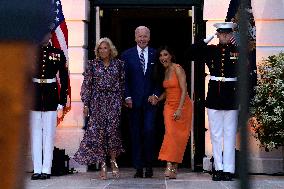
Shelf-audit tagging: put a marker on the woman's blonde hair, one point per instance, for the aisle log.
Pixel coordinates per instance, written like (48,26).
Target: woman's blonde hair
(113,51)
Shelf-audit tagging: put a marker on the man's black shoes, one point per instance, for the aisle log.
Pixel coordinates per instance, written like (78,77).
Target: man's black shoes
(38,176)
(220,175)
(217,175)
(35,176)
(45,176)
(227,176)
(139,173)
(149,172)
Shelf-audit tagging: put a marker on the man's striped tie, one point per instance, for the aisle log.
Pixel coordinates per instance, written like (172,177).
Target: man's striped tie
(142,60)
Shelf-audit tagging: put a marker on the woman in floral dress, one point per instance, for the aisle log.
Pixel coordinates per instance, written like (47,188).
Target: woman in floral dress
(102,94)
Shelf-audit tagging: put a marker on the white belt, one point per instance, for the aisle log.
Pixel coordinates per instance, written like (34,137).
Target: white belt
(223,79)
(44,80)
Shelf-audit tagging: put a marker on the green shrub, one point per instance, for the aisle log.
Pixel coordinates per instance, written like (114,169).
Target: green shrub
(268,103)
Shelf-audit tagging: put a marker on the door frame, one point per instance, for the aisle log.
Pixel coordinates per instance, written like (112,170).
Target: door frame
(147,3)
(197,72)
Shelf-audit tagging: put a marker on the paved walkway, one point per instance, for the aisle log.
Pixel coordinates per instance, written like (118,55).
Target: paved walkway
(185,180)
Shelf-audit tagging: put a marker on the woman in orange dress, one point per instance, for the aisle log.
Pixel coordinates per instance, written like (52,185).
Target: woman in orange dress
(177,112)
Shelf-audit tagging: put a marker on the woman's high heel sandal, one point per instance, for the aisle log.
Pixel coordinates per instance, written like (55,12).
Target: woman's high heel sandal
(114,167)
(168,169)
(173,172)
(103,173)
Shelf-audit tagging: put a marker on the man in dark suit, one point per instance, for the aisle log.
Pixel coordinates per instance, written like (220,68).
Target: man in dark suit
(141,97)
(46,103)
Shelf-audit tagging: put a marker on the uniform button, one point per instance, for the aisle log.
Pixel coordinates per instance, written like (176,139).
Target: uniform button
(222,74)
(42,75)
(223,59)
(43,65)
(43,70)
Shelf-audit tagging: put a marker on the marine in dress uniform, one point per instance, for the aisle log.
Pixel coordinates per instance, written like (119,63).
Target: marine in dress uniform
(47,100)
(221,101)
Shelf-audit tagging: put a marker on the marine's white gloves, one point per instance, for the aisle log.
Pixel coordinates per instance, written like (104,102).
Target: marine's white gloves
(209,38)
(59,107)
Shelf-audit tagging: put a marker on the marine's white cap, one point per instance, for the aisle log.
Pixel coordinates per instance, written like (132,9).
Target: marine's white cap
(225,27)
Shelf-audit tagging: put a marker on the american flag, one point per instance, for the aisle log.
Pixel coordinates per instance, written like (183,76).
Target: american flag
(60,32)
(233,40)
(59,40)
(233,15)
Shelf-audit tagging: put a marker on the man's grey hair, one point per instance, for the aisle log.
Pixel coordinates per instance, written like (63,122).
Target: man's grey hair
(142,28)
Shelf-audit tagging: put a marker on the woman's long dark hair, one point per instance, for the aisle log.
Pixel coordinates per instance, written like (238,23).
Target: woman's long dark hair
(159,70)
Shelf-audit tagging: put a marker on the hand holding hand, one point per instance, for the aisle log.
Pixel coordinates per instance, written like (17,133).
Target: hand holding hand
(153,100)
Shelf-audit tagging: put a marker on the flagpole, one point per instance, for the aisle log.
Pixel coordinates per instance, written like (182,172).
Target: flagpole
(243,95)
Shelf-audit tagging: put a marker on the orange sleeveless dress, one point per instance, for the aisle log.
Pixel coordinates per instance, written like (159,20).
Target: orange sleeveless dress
(176,132)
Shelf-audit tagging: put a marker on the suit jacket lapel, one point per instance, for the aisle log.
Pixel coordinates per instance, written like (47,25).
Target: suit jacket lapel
(150,59)
(136,55)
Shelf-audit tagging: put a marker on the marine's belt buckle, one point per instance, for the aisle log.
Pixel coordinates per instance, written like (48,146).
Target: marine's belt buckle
(222,79)
(42,80)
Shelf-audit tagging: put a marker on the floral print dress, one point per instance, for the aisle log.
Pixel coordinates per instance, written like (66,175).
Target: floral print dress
(102,91)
